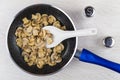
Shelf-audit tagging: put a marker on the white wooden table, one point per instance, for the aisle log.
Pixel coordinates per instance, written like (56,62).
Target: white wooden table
(106,20)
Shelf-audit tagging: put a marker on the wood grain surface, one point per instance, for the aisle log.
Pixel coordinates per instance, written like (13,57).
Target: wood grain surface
(106,20)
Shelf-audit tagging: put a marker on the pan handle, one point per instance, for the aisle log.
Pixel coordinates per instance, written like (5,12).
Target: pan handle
(87,56)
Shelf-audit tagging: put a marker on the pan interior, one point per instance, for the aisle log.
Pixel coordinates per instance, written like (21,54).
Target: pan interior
(15,51)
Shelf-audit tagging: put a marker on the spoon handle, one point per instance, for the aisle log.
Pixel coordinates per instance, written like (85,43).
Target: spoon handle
(87,56)
(83,32)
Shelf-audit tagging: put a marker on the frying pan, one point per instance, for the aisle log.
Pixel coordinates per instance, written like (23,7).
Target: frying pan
(70,44)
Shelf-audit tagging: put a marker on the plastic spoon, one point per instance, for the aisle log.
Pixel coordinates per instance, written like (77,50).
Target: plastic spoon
(60,35)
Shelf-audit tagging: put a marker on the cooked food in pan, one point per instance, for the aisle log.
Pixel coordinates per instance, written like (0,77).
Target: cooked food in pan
(32,39)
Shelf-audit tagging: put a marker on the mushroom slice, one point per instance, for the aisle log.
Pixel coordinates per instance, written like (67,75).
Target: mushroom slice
(19,42)
(25,41)
(18,31)
(40,63)
(41,53)
(58,60)
(51,19)
(57,24)
(25,20)
(30,63)
(35,32)
(29,29)
(49,41)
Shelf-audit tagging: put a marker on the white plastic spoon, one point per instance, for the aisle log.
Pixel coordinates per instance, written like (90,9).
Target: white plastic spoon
(60,35)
